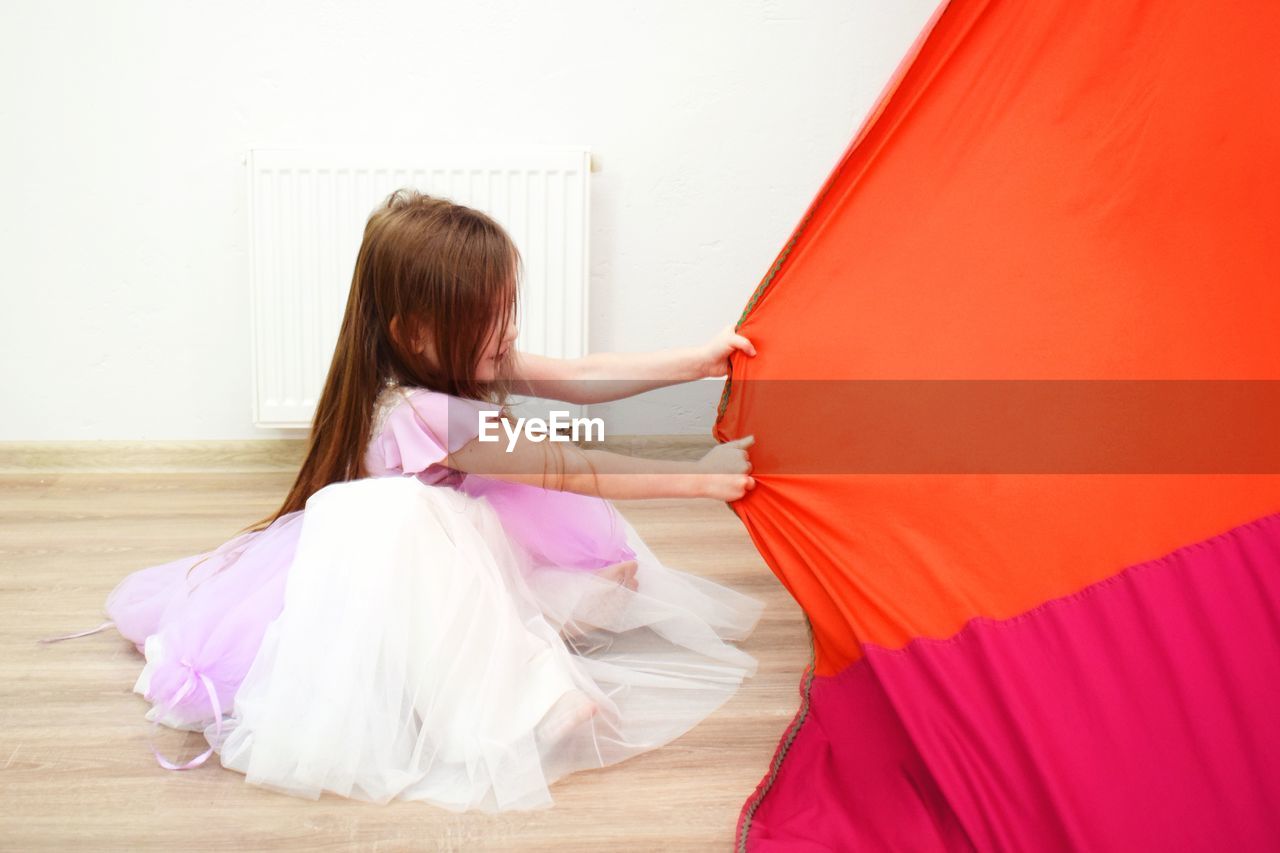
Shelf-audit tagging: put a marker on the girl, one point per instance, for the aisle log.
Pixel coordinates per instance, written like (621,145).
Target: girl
(429,616)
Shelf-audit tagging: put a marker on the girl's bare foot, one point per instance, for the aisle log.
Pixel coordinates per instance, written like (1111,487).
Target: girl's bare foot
(624,573)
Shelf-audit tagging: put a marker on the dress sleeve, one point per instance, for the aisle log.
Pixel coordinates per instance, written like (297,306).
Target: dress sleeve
(423,429)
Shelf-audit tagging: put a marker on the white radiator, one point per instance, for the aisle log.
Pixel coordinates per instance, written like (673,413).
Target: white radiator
(307,214)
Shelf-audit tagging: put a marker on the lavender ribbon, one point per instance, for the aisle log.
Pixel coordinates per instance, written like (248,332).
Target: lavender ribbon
(187,686)
(194,678)
(101,627)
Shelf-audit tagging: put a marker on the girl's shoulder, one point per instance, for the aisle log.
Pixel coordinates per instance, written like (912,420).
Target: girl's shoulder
(391,398)
(414,428)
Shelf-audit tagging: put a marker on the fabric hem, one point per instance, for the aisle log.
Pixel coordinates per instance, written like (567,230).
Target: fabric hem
(780,753)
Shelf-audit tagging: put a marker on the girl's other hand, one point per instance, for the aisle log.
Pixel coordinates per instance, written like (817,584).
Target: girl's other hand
(712,358)
(725,470)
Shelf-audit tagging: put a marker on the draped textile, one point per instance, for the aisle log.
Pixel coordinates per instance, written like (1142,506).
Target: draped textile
(1015,421)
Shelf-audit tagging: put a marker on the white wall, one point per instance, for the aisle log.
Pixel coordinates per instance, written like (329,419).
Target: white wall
(124,299)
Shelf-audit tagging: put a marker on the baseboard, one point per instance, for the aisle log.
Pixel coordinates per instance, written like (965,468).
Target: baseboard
(249,456)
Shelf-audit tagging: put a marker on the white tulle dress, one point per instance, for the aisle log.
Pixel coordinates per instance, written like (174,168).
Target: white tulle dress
(422,634)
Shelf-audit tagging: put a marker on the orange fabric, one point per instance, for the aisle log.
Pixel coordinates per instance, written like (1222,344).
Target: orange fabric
(1039,194)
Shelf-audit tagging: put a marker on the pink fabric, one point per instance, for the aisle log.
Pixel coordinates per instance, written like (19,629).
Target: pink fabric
(1136,714)
(209,623)
(206,628)
(562,529)
(415,435)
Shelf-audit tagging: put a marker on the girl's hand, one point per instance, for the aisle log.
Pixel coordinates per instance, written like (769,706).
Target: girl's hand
(725,470)
(712,358)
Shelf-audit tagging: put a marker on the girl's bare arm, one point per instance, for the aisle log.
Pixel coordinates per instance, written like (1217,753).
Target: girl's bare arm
(722,474)
(602,377)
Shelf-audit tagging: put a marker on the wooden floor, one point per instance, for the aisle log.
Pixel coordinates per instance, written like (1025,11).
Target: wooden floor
(76,771)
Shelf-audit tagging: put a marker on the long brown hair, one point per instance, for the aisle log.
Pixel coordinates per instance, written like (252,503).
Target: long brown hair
(445,270)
